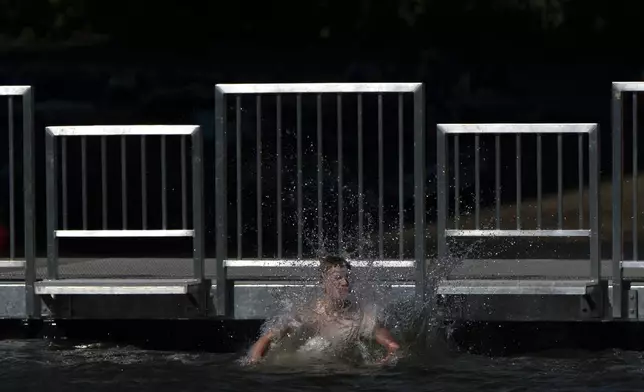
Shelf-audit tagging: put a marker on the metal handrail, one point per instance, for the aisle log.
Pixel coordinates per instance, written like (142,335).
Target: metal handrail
(518,130)
(620,287)
(29,205)
(54,232)
(339,89)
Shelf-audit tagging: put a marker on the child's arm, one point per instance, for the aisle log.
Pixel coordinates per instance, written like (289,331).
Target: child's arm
(384,338)
(260,347)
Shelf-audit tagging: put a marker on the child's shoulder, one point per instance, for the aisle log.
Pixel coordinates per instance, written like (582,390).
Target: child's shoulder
(318,306)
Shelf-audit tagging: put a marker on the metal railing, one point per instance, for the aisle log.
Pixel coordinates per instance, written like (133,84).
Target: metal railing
(519,131)
(343,92)
(28,191)
(620,287)
(144,132)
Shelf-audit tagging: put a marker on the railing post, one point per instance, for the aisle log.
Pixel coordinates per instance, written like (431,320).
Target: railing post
(442,193)
(52,204)
(198,205)
(29,189)
(222,302)
(594,202)
(618,167)
(420,177)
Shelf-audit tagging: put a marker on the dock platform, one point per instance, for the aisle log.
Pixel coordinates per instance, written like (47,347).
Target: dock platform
(283,199)
(474,290)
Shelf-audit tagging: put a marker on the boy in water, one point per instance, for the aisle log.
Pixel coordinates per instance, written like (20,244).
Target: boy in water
(332,322)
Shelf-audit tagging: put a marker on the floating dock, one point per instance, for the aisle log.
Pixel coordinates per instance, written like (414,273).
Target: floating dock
(535,290)
(300,185)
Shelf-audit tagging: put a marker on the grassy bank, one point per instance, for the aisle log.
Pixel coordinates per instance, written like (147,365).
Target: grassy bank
(571,214)
(549,216)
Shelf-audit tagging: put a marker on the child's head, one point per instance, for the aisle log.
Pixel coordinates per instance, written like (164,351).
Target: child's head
(335,276)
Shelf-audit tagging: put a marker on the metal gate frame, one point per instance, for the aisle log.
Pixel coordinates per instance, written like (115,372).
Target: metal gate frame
(223,284)
(32,302)
(520,129)
(53,231)
(620,286)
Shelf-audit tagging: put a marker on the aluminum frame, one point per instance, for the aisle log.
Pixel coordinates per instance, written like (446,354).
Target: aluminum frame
(315,263)
(518,129)
(620,286)
(122,287)
(224,289)
(32,302)
(54,233)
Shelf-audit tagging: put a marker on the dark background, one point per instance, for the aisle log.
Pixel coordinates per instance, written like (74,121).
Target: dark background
(125,62)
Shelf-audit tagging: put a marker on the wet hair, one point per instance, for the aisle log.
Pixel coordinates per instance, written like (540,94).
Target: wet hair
(328,262)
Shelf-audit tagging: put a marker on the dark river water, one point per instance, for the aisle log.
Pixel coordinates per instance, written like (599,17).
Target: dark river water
(38,365)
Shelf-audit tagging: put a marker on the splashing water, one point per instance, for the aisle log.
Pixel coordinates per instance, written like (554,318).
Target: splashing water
(416,325)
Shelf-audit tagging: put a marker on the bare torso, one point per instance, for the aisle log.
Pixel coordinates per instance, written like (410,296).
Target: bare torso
(323,329)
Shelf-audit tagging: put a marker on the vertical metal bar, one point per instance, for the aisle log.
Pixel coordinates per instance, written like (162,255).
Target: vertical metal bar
(52,206)
(539,179)
(238,184)
(560,181)
(258,122)
(278,174)
(340,173)
(184,185)
(320,171)
(222,302)
(64,183)
(29,192)
(144,187)
(164,188)
(580,169)
(360,180)
(420,167)
(84,178)
(441,192)
(497,176)
(636,211)
(12,183)
(123,183)
(477,181)
(300,218)
(104,182)
(594,200)
(401,180)
(616,119)
(197,203)
(457,182)
(518,179)
(381,184)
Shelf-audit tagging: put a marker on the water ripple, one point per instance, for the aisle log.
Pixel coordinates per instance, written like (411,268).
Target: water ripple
(34,365)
